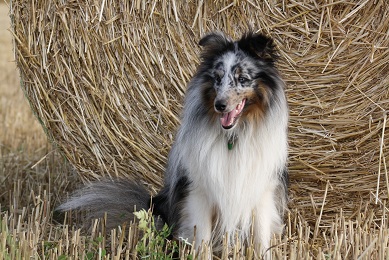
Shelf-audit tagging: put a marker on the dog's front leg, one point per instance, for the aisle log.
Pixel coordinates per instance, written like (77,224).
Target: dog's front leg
(267,222)
(196,225)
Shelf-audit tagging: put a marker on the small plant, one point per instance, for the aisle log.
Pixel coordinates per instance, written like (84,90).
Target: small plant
(96,247)
(154,243)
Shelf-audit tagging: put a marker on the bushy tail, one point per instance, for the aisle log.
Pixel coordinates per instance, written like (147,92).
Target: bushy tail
(119,199)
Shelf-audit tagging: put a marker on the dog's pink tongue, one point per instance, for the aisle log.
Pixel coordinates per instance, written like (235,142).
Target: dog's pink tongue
(228,119)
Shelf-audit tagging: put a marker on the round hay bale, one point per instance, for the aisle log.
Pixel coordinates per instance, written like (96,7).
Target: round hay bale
(106,80)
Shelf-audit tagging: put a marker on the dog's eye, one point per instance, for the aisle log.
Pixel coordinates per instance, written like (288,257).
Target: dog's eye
(217,78)
(242,79)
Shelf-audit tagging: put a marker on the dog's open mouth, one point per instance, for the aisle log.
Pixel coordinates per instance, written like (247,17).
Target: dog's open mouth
(228,120)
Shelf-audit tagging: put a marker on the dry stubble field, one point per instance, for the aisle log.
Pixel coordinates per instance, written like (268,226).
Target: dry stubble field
(30,168)
(27,159)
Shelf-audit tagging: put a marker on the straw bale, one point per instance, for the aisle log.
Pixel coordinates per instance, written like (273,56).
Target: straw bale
(106,80)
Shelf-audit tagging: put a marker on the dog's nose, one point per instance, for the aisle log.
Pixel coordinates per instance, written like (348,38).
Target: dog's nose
(220,105)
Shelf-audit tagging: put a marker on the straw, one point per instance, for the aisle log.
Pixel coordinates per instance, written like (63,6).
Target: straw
(107,78)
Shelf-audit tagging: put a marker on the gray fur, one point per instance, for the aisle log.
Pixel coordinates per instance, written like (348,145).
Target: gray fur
(119,199)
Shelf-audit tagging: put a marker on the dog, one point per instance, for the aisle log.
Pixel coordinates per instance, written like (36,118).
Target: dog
(227,169)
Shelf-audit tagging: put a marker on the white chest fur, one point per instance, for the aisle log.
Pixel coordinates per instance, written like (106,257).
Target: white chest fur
(233,182)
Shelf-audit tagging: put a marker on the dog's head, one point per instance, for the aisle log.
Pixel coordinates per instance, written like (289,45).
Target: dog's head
(240,76)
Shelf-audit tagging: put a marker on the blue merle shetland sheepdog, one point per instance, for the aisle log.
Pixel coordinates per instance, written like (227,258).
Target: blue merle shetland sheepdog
(227,170)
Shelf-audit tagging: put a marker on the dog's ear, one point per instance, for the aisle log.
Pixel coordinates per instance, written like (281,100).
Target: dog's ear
(258,46)
(213,40)
(214,44)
